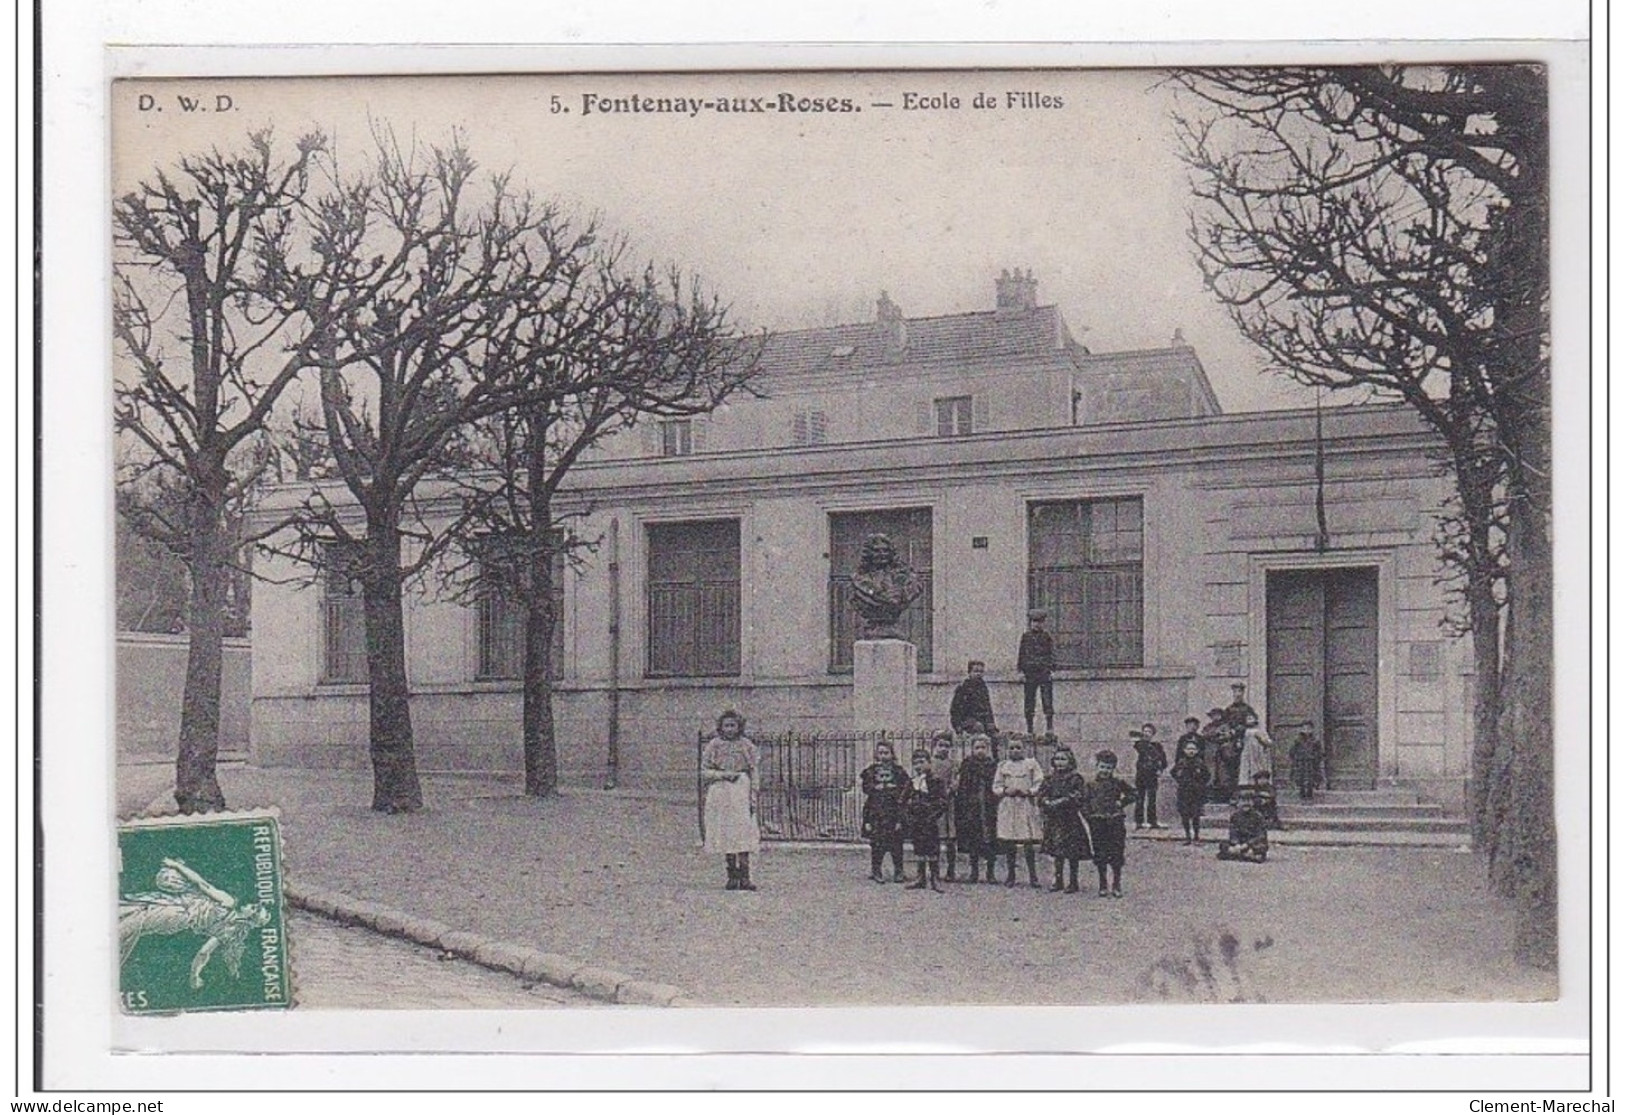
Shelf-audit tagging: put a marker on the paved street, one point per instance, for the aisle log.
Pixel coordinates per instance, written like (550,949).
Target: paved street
(350,968)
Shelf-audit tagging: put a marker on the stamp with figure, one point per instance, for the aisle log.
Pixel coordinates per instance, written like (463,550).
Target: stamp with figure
(200,915)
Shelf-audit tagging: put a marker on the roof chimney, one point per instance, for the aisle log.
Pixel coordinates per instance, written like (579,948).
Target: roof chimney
(893,327)
(1016,293)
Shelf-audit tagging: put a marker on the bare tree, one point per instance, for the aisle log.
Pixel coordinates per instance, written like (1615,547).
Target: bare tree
(1386,228)
(206,347)
(445,275)
(611,348)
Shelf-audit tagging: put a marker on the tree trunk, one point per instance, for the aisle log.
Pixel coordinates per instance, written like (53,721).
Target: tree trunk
(197,788)
(1484,796)
(1529,831)
(394,766)
(541,745)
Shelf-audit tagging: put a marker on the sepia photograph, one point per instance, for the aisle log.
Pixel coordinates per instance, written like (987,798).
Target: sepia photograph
(836,538)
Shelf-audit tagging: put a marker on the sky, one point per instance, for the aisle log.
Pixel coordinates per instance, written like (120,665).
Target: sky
(799,217)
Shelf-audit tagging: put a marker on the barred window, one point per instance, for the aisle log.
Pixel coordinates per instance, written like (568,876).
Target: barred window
(1086,569)
(694,599)
(910,532)
(500,617)
(344,617)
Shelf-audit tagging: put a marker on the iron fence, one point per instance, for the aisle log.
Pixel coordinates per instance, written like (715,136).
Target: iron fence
(807,783)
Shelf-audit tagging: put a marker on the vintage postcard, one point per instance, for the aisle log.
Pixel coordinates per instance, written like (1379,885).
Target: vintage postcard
(841,538)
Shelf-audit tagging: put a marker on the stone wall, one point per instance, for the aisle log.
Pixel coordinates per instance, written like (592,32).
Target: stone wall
(150,678)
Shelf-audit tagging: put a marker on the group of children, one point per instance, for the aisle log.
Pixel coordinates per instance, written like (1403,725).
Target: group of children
(981,806)
(984,805)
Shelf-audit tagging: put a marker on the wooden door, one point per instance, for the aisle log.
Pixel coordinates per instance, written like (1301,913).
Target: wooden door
(1349,725)
(1321,661)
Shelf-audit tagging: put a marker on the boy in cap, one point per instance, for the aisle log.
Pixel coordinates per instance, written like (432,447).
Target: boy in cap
(1150,760)
(1104,800)
(1239,710)
(1035,661)
(1191,776)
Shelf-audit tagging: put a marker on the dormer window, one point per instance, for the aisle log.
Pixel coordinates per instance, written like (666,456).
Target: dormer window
(809,427)
(676,437)
(953,416)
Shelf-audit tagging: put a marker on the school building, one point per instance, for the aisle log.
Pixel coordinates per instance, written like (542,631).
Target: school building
(1177,549)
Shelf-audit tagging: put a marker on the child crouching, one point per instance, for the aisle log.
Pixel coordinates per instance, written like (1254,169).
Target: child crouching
(1249,839)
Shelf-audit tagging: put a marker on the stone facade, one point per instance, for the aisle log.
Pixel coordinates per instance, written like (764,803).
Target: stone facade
(1226,501)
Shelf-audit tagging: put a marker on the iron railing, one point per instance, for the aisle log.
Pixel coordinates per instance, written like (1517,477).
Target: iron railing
(807,783)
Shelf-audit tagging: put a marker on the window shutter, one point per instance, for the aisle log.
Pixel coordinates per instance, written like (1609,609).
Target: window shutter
(651,437)
(925,418)
(798,428)
(979,417)
(697,430)
(818,427)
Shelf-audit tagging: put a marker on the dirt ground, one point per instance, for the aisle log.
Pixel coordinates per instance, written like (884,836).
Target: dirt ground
(622,883)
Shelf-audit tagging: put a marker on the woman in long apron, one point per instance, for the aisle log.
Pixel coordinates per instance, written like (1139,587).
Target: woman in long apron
(728,769)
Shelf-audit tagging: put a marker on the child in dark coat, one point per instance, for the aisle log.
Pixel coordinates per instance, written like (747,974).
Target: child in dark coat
(1150,760)
(1191,777)
(1305,760)
(885,786)
(1104,800)
(1193,734)
(1060,797)
(975,808)
(1249,839)
(971,709)
(923,809)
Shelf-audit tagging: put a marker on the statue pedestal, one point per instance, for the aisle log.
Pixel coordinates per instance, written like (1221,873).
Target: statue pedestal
(885,688)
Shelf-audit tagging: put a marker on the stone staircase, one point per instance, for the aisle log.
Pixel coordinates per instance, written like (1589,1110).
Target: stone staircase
(1391,816)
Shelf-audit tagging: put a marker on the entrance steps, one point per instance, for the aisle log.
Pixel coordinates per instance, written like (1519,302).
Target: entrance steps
(1391,815)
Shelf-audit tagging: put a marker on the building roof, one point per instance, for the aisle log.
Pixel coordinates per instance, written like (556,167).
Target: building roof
(969,337)
(1177,362)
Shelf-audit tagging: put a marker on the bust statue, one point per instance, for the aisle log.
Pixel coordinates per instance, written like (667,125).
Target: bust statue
(883,588)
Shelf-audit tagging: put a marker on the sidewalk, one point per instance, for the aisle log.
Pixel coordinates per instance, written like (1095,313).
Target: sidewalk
(621,883)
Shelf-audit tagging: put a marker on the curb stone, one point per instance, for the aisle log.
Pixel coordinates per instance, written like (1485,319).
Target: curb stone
(604,984)
(505,955)
(461,943)
(600,983)
(642,993)
(392,922)
(550,967)
(425,931)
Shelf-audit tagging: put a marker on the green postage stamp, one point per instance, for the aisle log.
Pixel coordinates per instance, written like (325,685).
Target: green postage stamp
(200,921)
